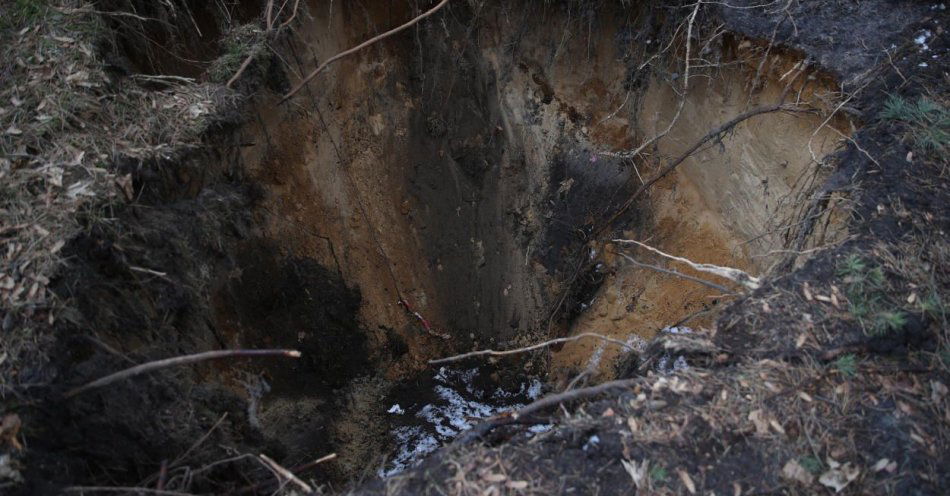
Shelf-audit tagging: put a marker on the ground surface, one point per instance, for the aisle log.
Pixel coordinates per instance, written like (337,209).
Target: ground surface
(468,168)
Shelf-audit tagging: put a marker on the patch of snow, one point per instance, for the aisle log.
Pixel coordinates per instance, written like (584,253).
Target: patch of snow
(593,441)
(539,428)
(921,40)
(414,443)
(534,389)
(457,406)
(677,330)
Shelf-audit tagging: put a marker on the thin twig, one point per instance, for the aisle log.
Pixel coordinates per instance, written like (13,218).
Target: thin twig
(179,360)
(677,274)
(286,473)
(359,47)
(528,348)
(298,469)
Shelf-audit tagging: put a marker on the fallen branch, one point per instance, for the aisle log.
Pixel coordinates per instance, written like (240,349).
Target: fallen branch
(733,274)
(677,274)
(359,47)
(528,348)
(179,360)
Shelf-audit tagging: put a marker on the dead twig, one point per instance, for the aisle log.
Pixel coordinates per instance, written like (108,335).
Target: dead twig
(179,360)
(286,473)
(361,46)
(528,348)
(298,469)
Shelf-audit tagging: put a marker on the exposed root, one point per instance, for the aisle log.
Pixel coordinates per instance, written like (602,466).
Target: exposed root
(733,274)
(528,348)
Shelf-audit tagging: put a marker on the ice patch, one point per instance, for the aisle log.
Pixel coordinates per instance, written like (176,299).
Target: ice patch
(396,409)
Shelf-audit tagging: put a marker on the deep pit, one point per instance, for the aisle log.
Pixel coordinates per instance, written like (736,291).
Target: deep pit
(457,187)
(466,169)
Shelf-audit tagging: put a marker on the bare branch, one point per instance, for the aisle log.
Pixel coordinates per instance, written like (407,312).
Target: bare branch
(528,348)
(179,360)
(361,46)
(730,273)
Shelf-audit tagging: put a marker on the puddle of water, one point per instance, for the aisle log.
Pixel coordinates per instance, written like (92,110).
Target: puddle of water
(443,407)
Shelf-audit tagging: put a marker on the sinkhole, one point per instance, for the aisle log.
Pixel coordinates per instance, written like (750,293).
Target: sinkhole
(459,186)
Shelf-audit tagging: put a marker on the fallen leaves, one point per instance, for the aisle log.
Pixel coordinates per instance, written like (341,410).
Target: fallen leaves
(796,472)
(839,476)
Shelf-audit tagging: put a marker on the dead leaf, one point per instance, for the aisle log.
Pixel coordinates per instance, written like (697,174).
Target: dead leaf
(9,429)
(637,471)
(632,424)
(839,476)
(495,477)
(687,481)
(796,472)
(937,391)
(761,424)
(125,185)
(516,484)
(777,426)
